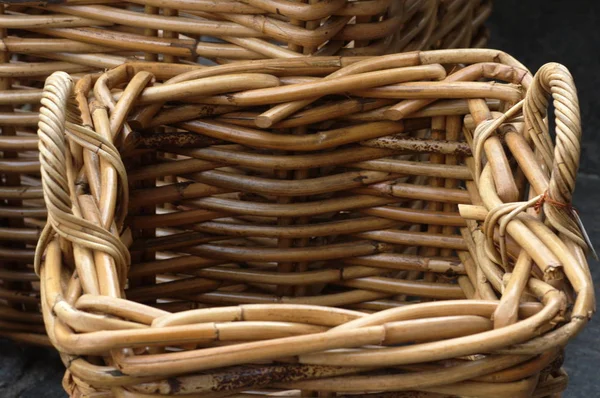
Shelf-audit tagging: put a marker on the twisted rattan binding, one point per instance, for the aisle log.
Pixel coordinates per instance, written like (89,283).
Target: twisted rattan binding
(321,255)
(86,36)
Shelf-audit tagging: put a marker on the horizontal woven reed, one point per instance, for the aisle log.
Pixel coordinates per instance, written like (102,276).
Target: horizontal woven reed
(387,226)
(80,37)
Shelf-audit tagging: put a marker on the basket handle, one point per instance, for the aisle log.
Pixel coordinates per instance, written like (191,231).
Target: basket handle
(64,215)
(52,141)
(52,148)
(554,81)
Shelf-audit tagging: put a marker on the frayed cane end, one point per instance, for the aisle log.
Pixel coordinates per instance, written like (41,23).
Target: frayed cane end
(585,235)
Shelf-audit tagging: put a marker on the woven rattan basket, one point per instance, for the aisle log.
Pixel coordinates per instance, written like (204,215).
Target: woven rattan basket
(402,227)
(80,37)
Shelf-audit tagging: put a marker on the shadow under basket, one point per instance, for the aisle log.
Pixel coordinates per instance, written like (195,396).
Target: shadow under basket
(86,36)
(394,226)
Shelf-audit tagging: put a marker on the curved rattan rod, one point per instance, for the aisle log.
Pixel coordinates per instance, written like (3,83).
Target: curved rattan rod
(100,14)
(20,21)
(464,371)
(365,110)
(189,218)
(23,165)
(209,245)
(344,299)
(17,255)
(362,336)
(28,96)
(386,191)
(18,143)
(17,212)
(382,260)
(322,140)
(297,11)
(363,278)
(39,69)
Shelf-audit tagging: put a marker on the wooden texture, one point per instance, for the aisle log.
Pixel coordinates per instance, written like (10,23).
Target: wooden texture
(81,37)
(402,228)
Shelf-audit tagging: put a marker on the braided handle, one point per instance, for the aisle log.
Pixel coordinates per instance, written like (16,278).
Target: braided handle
(56,166)
(53,154)
(52,142)
(555,80)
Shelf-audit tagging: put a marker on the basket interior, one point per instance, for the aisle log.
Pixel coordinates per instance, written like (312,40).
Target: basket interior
(234,221)
(335,205)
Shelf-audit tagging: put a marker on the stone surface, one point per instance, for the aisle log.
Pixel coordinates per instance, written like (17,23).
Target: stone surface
(534,31)
(29,372)
(583,354)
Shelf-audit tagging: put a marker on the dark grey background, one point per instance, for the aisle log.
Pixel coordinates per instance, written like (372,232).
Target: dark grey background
(535,32)
(568,32)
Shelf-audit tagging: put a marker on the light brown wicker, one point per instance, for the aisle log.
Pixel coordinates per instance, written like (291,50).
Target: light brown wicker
(82,36)
(402,228)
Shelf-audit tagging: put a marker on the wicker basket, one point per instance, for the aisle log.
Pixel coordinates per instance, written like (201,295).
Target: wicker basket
(403,225)
(80,37)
